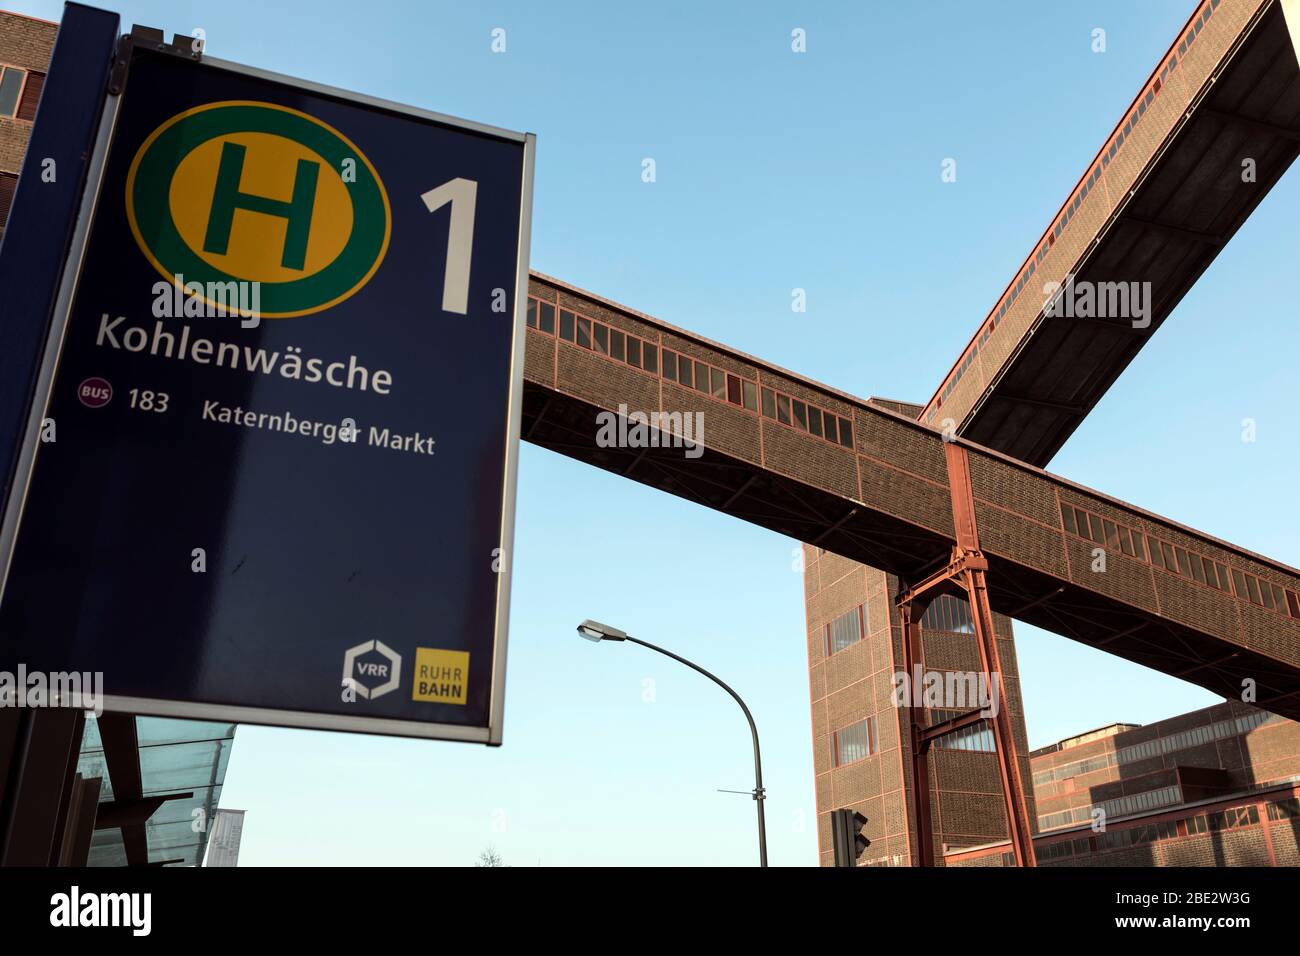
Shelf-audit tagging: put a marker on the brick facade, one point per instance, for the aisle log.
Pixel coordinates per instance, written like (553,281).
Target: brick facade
(1245,830)
(857,683)
(27,43)
(1214,787)
(1222,749)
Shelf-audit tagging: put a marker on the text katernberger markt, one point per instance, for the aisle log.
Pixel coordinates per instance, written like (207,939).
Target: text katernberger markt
(326,432)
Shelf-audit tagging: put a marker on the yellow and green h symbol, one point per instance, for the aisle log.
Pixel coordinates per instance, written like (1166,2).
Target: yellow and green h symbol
(227,197)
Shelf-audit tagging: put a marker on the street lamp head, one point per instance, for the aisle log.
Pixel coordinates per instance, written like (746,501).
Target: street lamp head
(595,631)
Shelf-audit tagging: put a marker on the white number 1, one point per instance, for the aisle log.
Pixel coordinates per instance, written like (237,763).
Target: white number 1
(461,193)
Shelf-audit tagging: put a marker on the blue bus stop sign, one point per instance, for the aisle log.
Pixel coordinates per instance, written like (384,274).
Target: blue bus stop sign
(269,470)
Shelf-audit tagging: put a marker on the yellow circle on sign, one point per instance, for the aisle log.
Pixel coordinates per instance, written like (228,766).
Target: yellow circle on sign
(258,240)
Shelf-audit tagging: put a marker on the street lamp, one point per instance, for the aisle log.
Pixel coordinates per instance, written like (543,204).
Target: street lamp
(595,631)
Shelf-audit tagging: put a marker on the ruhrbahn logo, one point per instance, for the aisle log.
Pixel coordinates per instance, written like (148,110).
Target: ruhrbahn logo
(242,191)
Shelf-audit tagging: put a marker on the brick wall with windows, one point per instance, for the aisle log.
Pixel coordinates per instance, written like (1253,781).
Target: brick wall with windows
(847,612)
(1244,746)
(854,650)
(1239,830)
(25,48)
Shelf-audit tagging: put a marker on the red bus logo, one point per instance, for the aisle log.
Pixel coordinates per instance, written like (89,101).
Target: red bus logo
(95,392)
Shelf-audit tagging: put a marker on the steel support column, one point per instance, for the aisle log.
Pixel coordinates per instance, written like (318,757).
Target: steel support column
(923,843)
(1013,787)
(40,785)
(965,572)
(80,827)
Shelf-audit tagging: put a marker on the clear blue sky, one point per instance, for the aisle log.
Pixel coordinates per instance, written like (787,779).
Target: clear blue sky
(775,171)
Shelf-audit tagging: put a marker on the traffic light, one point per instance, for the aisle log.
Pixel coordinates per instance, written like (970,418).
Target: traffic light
(846,834)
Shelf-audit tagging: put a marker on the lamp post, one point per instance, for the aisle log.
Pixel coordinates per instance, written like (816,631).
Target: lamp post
(595,631)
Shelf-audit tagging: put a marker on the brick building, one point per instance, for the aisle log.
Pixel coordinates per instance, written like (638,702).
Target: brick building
(1216,787)
(854,649)
(1229,766)
(25,47)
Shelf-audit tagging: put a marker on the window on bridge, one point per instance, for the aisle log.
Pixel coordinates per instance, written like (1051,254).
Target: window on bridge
(1179,561)
(710,380)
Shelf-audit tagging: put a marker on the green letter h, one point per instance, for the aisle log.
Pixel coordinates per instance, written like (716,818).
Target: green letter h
(226,198)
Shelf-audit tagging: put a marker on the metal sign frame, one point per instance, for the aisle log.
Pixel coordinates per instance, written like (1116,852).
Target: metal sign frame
(15,503)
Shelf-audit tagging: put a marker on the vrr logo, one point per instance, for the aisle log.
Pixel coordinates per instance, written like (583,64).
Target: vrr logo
(241,191)
(389,674)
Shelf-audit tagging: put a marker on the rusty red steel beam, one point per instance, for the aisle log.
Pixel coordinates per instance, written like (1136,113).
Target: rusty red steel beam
(972,576)
(968,571)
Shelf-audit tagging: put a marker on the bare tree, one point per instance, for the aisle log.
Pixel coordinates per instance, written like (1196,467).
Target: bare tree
(490,857)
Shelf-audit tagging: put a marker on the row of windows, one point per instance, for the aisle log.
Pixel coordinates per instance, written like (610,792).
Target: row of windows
(854,742)
(691,373)
(1049,238)
(724,386)
(20,91)
(945,613)
(1050,821)
(1076,769)
(1110,840)
(1176,560)
(948,613)
(1137,802)
(1229,819)
(1136,836)
(1117,807)
(1062,850)
(977,737)
(818,422)
(1170,743)
(593,335)
(1193,737)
